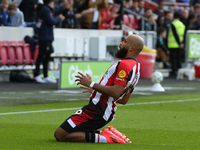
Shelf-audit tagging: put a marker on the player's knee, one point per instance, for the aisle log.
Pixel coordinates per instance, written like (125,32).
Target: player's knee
(59,135)
(56,135)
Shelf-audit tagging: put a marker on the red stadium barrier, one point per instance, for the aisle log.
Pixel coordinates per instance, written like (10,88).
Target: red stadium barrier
(17,53)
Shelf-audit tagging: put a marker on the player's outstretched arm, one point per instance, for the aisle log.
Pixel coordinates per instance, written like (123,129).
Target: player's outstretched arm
(125,99)
(112,91)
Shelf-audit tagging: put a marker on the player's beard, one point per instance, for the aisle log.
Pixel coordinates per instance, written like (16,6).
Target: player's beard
(121,53)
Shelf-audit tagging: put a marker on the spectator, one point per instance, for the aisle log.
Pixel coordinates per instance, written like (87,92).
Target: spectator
(106,16)
(80,5)
(70,18)
(155,1)
(162,51)
(160,21)
(184,16)
(167,21)
(147,13)
(114,13)
(16,16)
(118,20)
(197,11)
(160,11)
(28,7)
(4,14)
(45,24)
(170,1)
(149,25)
(135,8)
(90,21)
(17,2)
(126,4)
(184,1)
(70,15)
(59,8)
(192,23)
(141,6)
(176,43)
(80,8)
(192,3)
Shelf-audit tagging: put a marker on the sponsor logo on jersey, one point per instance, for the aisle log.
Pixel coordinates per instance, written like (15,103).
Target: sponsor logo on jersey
(105,73)
(121,79)
(122,74)
(136,76)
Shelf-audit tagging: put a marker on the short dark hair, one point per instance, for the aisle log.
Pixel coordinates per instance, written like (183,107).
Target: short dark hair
(160,1)
(191,16)
(12,6)
(47,1)
(160,30)
(167,12)
(146,9)
(176,15)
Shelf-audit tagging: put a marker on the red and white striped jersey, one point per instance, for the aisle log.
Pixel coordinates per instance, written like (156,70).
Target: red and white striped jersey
(126,73)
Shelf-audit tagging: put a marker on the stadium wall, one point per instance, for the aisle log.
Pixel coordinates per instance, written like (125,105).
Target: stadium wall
(69,44)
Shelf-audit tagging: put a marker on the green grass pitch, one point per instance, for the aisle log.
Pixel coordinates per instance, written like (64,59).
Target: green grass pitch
(156,122)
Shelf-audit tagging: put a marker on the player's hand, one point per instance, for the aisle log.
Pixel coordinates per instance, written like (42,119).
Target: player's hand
(82,79)
(114,15)
(61,17)
(181,45)
(78,15)
(88,89)
(168,52)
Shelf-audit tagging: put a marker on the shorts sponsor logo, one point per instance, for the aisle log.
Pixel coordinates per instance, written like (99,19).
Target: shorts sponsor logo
(122,74)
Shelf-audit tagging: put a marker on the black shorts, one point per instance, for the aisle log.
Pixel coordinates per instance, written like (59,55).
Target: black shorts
(88,119)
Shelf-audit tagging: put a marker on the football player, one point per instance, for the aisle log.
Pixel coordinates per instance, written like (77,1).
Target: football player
(116,86)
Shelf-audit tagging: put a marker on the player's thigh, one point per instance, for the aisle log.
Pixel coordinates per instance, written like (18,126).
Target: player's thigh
(88,119)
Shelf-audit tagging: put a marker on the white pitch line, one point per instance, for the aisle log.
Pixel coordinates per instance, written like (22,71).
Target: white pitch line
(142,103)
(12,98)
(36,111)
(160,102)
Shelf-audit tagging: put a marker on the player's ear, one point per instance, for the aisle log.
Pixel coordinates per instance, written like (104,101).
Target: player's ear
(132,48)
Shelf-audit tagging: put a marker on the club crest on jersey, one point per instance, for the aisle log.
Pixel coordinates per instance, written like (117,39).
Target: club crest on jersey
(122,74)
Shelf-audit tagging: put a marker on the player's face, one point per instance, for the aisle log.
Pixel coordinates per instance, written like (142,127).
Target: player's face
(122,52)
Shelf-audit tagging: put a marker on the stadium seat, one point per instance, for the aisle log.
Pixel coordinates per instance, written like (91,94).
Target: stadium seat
(11,55)
(35,54)
(132,21)
(9,48)
(3,55)
(19,54)
(22,42)
(0,49)
(27,54)
(18,48)
(125,20)
(6,42)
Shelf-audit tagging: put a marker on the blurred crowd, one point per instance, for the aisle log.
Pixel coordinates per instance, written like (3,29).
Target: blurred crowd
(85,14)
(98,14)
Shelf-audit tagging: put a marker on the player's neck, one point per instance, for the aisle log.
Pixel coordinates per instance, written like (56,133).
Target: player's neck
(130,56)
